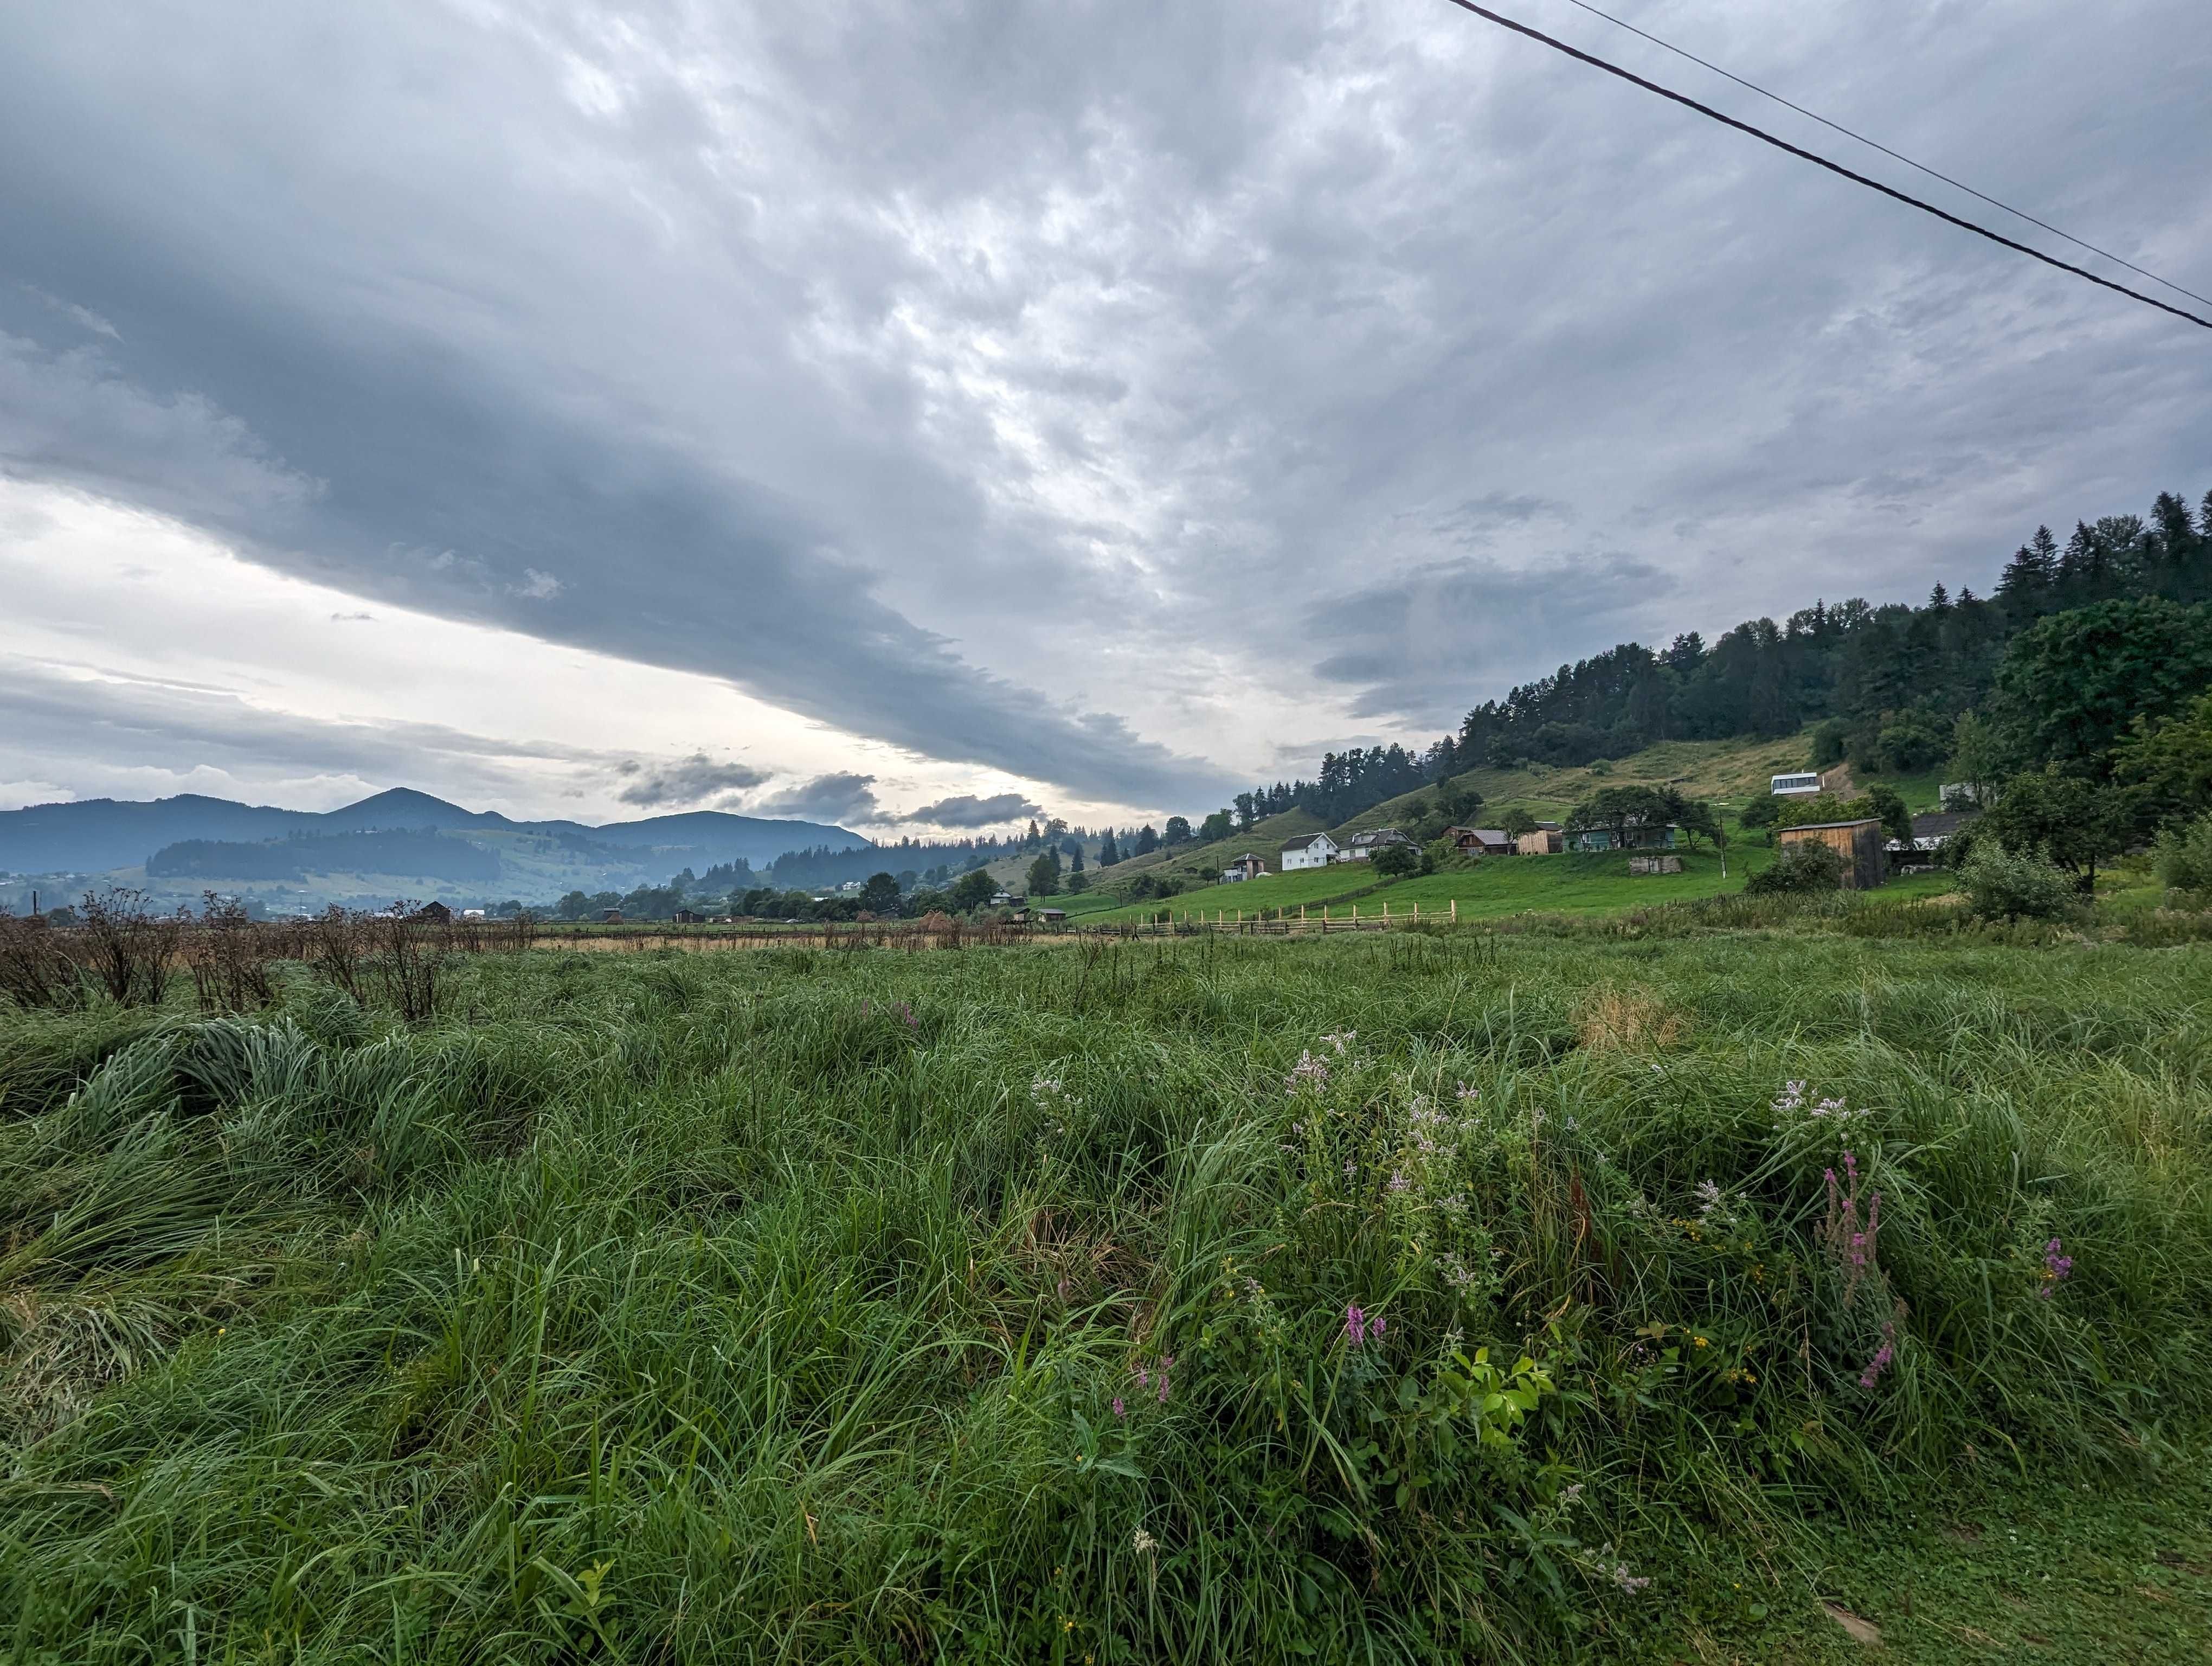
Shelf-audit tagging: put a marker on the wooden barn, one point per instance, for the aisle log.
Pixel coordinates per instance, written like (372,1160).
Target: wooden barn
(1859,843)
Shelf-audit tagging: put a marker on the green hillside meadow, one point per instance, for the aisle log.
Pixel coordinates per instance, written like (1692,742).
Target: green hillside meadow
(1400,1297)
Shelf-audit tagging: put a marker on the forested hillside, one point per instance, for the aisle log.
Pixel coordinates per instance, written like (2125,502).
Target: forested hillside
(1888,684)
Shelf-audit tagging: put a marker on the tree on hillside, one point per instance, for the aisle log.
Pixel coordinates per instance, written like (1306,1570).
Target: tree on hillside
(972,890)
(2069,819)
(1074,851)
(1215,828)
(1178,832)
(2166,766)
(2073,685)
(880,895)
(1148,841)
(1516,822)
(1248,810)
(1043,878)
(1700,820)
(1108,854)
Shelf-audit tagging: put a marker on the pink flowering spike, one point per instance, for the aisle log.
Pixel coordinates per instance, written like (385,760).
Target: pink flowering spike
(1355,1325)
(1375,1330)
(1143,1378)
(1120,1410)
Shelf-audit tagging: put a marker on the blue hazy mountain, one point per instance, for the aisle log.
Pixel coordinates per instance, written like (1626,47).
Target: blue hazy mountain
(99,835)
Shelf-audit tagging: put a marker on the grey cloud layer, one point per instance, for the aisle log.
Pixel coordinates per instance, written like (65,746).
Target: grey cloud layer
(693,779)
(1361,353)
(967,811)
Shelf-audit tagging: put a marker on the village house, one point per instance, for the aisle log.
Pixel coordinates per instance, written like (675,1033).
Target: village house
(685,917)
(1362,846)
(1800,784)
(1309,850)
(1480,841)
(1930,833)
(1858,842)
(1246,866)
(1589,839)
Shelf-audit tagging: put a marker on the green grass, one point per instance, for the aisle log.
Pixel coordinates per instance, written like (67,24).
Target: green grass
(654,1307)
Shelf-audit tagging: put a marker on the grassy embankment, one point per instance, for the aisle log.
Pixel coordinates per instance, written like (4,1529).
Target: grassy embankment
(815,1306)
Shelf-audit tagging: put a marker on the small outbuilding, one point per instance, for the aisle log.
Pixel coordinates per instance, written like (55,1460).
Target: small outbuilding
(685,917)
(1246,866)
(610,917)
(436,913)
(1546,841)
(1858,842)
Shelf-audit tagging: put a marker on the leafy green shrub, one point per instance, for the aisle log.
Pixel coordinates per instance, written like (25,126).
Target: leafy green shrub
(1801,868)
(2183,856)
(2002,884)
(1395,862)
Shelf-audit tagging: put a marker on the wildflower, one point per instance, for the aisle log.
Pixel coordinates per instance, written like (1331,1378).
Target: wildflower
(1467,1095)
(1882,1355)
(1120,1410)
(1143,1542)
(1308,1072)
(1341,1039)
(1630,1583)
(2057,1268)
(1398,1180)
(1709,1198)
(1571,1495)
(1355,1325)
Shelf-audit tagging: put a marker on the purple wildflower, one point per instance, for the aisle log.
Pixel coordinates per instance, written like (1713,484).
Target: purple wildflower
(1355,1325)
(1120,1410)
(2057,1268)
(1883,1356)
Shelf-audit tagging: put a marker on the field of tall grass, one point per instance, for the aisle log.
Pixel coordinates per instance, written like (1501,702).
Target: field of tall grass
(1396,1297)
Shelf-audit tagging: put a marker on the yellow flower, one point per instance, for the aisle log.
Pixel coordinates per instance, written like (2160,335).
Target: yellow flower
(1067,1625)
(1700,1341)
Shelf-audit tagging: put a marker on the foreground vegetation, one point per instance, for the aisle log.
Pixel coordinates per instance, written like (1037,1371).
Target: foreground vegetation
(1388,1298)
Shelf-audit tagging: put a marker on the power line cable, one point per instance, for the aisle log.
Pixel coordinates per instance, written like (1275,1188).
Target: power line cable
(1933,173)
(1765,136)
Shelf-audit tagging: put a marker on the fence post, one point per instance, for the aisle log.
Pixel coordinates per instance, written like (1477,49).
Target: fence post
(1454,908)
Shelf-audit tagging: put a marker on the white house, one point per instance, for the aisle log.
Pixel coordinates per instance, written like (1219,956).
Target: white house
(1313,850)
(1793,786)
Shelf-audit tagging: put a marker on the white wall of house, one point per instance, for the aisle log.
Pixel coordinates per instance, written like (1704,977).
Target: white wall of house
(1319,852)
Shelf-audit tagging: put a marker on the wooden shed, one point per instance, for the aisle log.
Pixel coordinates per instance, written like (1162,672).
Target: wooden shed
(1544,842)
(1859,843)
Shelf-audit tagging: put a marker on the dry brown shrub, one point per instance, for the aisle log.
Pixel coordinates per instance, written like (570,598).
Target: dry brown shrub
(1627,1021)
(36,966)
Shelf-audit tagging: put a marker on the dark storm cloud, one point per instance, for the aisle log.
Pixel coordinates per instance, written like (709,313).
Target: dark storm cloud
(688,781)
(967,811)
(813,347)
(832,798)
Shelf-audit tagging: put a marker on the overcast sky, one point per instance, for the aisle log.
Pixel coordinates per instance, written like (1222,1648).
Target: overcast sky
(910,415)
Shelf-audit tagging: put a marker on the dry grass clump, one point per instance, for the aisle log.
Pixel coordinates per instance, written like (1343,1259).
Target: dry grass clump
(1613,1019)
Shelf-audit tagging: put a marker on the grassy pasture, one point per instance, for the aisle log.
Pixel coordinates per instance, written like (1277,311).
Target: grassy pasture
(802,1305)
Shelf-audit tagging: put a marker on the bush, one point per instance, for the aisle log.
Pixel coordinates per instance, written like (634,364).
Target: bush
(2183,856)
(1801,868)
(1395,862)
(2002,884)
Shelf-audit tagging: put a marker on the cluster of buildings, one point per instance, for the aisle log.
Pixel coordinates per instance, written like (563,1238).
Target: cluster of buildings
(1549,839)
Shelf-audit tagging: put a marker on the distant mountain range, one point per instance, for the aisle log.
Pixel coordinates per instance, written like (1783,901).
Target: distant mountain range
(202,839)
